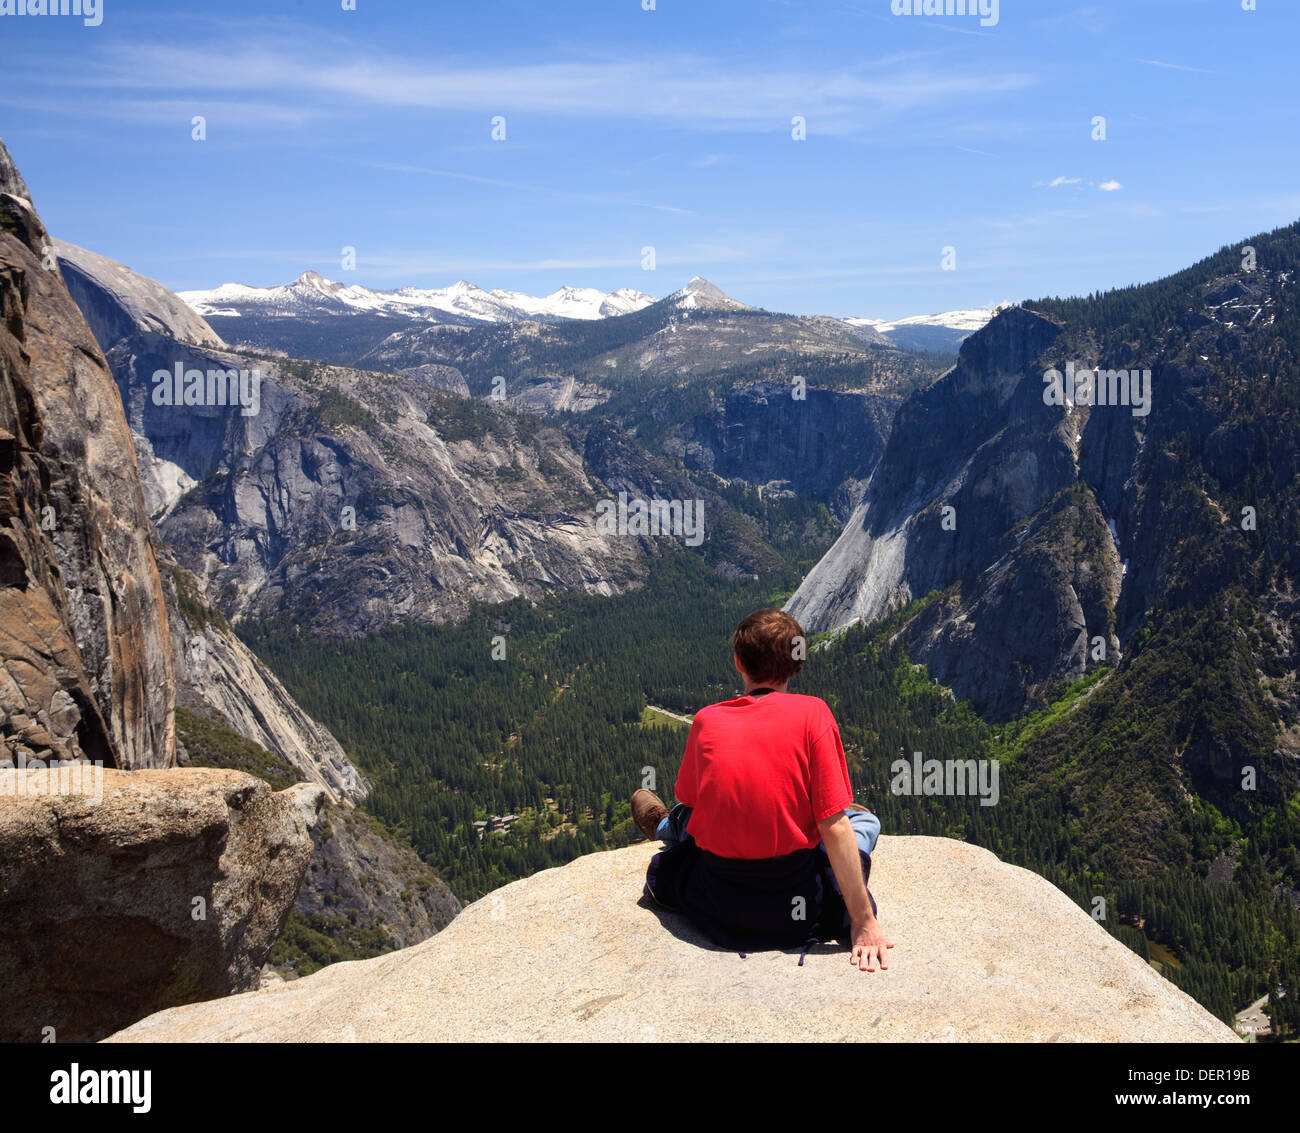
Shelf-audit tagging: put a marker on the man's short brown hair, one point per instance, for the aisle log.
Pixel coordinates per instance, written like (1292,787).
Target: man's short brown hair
(769,645)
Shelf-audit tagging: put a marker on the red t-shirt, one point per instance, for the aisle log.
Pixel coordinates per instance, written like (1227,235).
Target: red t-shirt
(760,773)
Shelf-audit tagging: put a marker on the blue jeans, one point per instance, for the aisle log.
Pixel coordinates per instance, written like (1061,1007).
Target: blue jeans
(866,827)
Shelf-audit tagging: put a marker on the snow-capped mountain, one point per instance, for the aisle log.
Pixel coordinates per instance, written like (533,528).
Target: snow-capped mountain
(701,295)
(311,293)
(945,331)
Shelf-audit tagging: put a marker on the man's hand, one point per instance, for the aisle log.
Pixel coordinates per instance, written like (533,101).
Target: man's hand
(869,945)
(869,941)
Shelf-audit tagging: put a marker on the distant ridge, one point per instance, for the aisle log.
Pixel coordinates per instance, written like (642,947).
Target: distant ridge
(312,293)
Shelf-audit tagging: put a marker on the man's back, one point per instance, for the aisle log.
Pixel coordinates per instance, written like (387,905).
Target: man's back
(760,772)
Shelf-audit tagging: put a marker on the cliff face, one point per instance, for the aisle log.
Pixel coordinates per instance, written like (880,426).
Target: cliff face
(815,445)
(88,654)
(355,500)
(359,879)
(219,677)
(236,712)
(969,965)
(364,890)
(968,499)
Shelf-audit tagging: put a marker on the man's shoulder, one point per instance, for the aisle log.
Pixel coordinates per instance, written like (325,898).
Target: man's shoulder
(717,708)
(814,706)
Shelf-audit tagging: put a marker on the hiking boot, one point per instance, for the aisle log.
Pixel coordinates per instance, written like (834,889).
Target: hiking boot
(648,811)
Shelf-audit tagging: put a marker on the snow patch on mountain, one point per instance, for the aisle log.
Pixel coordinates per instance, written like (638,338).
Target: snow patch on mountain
(701,295)
(969,320)
(943,332)
(312,293)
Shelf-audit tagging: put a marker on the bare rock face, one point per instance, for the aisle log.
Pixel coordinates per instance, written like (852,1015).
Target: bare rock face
(978,496)
(446,378)
(218,676)
(553,395)
(82,621)
(761,434)
(359,874)
(985,952)
(118,302)
(170,888)
(47,707)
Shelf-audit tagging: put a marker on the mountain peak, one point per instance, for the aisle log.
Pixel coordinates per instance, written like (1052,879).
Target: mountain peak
(701,295)
(317,282)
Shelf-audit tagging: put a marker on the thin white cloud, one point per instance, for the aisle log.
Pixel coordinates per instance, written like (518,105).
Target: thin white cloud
(1109,186)
(176,112)
(688,91)
(1176,66)
(1057,182)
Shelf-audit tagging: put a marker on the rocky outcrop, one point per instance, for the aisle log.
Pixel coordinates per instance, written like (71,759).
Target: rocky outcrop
(82,617)
(135,892)
(446,378)
(603,965)
(219,677)
(118,302)
(360,879)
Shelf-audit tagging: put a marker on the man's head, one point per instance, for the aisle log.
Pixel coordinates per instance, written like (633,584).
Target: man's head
(769,647)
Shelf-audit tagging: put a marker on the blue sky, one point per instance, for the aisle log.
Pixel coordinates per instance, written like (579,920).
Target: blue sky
(669,128)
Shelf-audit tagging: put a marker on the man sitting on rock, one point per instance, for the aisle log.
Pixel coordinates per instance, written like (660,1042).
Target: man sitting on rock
(777,854)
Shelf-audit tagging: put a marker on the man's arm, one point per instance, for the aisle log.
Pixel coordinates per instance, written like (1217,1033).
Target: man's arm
(869,940)
(688,773)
